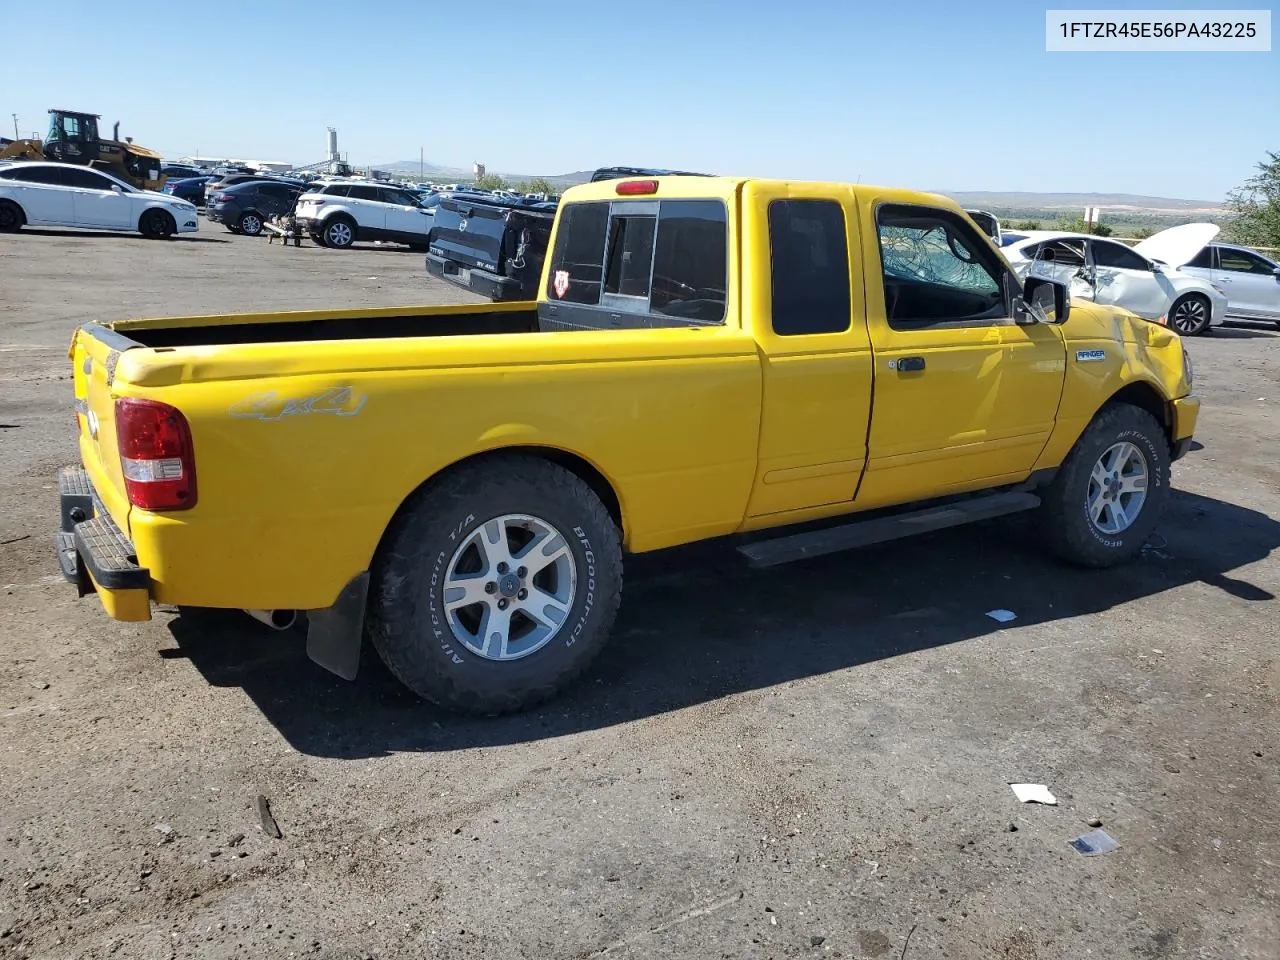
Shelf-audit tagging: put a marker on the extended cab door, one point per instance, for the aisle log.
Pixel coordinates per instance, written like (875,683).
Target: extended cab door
(965,398)
(805,300)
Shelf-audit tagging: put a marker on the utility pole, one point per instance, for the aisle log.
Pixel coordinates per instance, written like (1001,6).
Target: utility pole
(16,134)
(420,163)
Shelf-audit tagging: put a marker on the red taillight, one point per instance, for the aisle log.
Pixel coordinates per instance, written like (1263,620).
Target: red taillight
(631,188)
(156,454)
(222,197)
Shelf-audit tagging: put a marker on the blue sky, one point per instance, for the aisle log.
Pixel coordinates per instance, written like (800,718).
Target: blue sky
(951,96)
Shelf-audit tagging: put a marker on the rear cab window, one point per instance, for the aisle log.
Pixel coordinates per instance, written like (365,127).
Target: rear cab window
(642,262)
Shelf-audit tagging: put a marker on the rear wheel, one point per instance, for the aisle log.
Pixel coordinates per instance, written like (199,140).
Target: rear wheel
(496,586)
(340,233)
(1190,314)
(250,224)
(1107,496)
(157,225)
(11,216)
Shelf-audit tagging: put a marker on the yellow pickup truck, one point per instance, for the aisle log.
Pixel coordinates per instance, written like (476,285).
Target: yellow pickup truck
(707,357)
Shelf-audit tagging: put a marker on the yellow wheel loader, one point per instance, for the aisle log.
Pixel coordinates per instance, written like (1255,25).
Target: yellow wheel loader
(73,138)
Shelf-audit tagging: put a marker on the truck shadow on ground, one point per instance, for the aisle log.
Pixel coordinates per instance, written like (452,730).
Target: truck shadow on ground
(697,624)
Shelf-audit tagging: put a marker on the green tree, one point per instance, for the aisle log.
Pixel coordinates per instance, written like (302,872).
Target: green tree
(1143,232)
(1078,225)
(1256,205)
(1024,225)
(536,185)
(491,181)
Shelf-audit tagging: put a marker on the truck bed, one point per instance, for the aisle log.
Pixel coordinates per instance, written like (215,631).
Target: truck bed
(316,325)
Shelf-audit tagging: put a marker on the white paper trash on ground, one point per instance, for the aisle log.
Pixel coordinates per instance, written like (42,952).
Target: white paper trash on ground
(1033,793)
(1094,843)
(1002,616)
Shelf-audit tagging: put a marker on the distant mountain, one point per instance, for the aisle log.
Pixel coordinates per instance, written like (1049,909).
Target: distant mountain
(980,199)
(1078,201)
(437,172)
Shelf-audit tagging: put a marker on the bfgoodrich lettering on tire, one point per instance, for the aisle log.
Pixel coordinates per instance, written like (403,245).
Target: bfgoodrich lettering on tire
(496,585)
(1106,498)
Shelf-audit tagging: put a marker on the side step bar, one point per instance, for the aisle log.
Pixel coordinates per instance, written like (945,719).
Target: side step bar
(816,543)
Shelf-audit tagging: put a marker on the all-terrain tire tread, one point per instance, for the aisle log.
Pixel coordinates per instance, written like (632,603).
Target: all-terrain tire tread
(398,597)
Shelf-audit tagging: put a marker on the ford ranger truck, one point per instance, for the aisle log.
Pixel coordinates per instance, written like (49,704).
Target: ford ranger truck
(707,357)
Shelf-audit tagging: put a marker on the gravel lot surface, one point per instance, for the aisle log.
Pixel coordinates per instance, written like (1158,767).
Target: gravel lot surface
(806,762)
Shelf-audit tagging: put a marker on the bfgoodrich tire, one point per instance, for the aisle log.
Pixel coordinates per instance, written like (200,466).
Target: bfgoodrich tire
(1106,498)
(496,586)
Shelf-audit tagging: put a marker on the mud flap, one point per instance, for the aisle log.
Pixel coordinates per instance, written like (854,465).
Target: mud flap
(334,633)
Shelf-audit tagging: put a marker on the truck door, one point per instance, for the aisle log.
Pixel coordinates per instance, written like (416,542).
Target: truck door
(809,317)
(965,398)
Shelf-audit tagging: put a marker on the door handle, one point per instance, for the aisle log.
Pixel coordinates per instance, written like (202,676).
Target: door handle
(910,364)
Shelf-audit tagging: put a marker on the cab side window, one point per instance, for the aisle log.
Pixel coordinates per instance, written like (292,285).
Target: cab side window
(937,270)
(647,258)
(809,267)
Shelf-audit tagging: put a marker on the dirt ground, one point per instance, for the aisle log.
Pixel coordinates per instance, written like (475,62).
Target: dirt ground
(812,761)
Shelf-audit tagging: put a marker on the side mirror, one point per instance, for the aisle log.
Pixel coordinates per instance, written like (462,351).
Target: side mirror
(1276,271)
(115,188)
(1045,301)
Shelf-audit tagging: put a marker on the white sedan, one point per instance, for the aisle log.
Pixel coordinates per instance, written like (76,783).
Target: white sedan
(66,195)
(1145,278)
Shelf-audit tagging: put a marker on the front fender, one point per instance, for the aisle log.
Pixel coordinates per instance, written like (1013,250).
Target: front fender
(1113,353)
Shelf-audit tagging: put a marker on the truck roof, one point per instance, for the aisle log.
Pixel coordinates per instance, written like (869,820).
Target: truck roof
(727,187)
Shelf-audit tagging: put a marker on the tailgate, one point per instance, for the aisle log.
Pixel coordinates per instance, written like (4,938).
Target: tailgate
(470,234)
(94,361)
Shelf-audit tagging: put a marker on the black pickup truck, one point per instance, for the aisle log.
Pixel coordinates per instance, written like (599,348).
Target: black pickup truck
(491,247)
(496,248)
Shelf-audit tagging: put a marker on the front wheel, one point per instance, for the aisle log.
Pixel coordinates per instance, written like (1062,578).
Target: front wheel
(1107,496)
(157,225)
(496,586)
(1190,314)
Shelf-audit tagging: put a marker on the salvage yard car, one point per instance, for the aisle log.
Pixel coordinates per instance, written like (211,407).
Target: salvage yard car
(40,194)
(341,212)
(1145,279)
(707,357)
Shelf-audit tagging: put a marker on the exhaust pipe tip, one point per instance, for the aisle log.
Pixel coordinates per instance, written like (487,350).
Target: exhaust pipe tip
(275,619)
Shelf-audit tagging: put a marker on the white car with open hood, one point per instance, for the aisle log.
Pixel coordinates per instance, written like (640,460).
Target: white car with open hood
(1146,278)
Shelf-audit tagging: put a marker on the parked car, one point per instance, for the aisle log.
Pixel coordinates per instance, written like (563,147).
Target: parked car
(245,207)
(489,246)
(68,195)
(1250,280)
(458,482)
(231,179)
(190,189)
(1143,278)
(341,212)
(181,171)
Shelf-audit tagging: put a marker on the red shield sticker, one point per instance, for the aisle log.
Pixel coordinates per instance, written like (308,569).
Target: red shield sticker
(560,283)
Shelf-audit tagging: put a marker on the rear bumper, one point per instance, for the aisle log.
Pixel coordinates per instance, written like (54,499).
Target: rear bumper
(94,552)
(1185,414)
(474,279)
